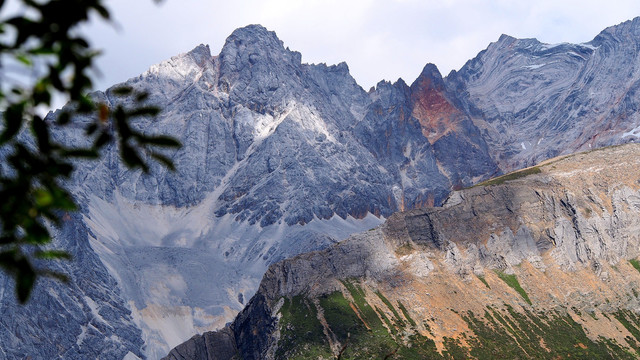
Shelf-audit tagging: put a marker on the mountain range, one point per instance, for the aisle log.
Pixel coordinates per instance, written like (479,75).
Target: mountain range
(538,264)
(281,158)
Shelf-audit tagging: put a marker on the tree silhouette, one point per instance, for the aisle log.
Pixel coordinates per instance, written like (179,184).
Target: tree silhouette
(43,54)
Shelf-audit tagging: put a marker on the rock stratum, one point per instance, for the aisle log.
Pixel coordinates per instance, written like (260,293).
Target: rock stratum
(540,264)
(282,158)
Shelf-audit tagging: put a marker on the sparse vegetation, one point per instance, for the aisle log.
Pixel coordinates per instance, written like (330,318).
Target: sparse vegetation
(484,281)
(587,211)
(404,249)
(513,282)
(406,314)
(511,176)
(499,333)
(509,334)
(390,306)
(301,331)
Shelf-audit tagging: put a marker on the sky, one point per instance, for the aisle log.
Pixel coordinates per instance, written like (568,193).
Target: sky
(379,39)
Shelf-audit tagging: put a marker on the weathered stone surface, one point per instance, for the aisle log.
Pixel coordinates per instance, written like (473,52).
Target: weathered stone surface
(564,231)
(533,101)
(218,345)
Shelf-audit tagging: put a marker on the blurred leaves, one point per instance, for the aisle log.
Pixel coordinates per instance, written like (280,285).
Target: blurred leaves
(43,39)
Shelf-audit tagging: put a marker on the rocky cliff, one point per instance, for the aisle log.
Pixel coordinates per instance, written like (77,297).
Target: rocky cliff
(540,263)
(533,101)
(282,158)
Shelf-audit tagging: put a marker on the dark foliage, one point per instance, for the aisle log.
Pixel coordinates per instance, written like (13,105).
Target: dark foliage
(42,40)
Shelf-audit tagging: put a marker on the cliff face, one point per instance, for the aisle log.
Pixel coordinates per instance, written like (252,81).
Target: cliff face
(533,101)
(536,264)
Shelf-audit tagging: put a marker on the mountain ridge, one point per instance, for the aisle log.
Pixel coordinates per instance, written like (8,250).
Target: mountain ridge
(282,158)
(457,275)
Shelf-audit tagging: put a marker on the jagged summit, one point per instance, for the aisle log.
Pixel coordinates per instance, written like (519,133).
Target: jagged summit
(201,52)
(254,45)
(626,28)
(255,34)
(431,73)
(506,38)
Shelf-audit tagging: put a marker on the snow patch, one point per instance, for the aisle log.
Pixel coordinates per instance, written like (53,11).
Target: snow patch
(633,132)
(94,310)
(130,356)
(551,46)
(533,67)
(82,336)
(589,46)
(183,268)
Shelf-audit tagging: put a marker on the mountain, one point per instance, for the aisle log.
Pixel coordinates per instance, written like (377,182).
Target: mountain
(540,263)
(534,101)
(282,158)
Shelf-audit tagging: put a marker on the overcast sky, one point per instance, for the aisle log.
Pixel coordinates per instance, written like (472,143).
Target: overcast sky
(379,39)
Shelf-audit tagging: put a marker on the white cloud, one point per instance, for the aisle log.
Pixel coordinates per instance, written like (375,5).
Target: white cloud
(379,39)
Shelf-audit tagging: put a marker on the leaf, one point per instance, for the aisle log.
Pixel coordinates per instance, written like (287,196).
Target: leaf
(103,113)
(102,11)
(15,262)
(13,118)
(85,104)
(53,254)
(36,234)
(43,198)
(63,200)
(161,140)
(132,159)
(140,97)
(41,131)
(25,279)
(164,160)
(122,91)
(64,118)
(24,59)
(81,153)
(145,111)
(102,140)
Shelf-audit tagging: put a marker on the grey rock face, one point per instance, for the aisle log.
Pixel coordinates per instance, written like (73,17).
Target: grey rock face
(538,221)
(218,345)
(534,101)
(83,319)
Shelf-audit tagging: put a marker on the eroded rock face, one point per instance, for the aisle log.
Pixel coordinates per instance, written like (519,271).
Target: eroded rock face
(85,318)
(562,231)
(533,101)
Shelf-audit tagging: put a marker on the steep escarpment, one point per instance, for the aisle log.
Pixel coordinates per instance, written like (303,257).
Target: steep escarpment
(536,264)
(533,101)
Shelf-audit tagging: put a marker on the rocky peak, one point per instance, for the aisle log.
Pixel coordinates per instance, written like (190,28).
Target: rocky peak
(431,75)
(430,105)
(200,54)
(623,34)
(252,47)
(504,38)
(256,68)
(629,27)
